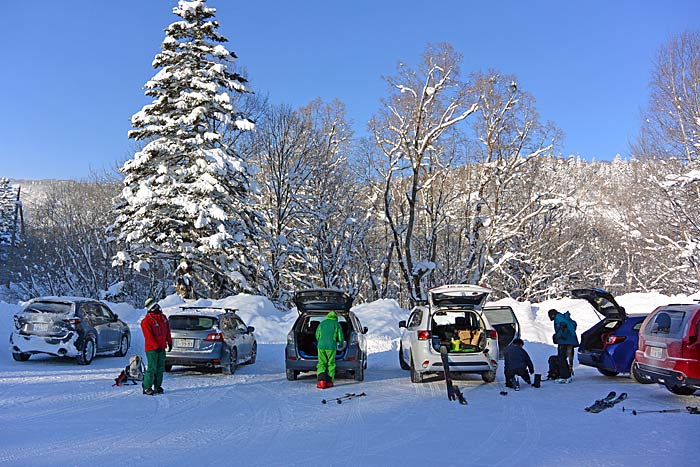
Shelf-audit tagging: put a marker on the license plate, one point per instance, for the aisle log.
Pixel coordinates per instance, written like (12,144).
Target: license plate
(41,327)
(184,343)
(656,352)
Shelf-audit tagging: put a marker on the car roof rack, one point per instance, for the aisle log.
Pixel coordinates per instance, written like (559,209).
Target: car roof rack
(209,308)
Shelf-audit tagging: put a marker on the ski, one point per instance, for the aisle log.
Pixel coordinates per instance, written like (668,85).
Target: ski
(611,395)
(446,369)
(346,397)
(693,410)
(609,403)
(516,383)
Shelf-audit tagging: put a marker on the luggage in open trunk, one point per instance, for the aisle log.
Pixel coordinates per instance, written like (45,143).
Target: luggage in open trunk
(306,335)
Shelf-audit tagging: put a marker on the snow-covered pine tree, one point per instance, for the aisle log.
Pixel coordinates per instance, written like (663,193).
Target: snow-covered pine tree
(185,194)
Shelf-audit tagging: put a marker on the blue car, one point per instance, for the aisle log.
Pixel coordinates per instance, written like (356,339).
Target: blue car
(609,346)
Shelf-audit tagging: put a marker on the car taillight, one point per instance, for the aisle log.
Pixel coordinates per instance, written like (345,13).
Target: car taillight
(290,338)
(493,334)
(215,337)
(614,339)
(423,335)
(74,322)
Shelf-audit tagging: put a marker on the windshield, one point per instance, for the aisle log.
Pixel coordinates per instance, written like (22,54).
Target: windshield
(49,307)
(192,323)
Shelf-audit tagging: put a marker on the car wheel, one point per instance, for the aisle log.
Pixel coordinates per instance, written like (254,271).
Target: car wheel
(253,353)
(402,364)
(488,376)
(636,376)
(292,375)
(359,373)
(168,367)
(681,390)
(607,372)
(87,353)
(229,367)
(123,346)
(20,356)
(416,377)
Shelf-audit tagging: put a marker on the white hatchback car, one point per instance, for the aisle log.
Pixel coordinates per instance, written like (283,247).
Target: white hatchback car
(454,317)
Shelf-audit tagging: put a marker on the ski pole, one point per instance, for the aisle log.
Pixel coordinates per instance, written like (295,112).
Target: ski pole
(635,412)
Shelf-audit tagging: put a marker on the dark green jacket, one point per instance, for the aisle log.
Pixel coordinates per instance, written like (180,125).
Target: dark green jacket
(329,333)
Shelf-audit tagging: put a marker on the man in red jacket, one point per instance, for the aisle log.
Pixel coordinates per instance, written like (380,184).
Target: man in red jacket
(156,332)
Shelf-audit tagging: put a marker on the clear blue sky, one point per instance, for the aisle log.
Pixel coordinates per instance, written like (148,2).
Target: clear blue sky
(73,71)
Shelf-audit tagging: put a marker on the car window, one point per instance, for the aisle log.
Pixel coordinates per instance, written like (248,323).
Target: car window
(666,323)
(240,325)
(49,307)
(90,310)
(226,324)
(499,315)
(637,326)
(192,323)
(107,313)
(415,319)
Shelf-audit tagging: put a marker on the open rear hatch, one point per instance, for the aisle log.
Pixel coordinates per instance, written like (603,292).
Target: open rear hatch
(322,300)
(306,334)
(606,306)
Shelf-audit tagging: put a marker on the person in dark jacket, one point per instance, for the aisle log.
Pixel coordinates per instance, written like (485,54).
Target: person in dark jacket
(517,363)
(566,339)
(329,335)
(156,333)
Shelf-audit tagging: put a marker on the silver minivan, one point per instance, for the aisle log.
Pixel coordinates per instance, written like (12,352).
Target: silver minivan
(210,337)
(454,318)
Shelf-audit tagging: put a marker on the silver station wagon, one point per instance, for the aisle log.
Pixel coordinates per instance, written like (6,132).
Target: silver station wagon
(455,318)
(210,337)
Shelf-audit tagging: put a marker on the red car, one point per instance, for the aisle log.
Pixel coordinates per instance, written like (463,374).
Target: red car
(669,348)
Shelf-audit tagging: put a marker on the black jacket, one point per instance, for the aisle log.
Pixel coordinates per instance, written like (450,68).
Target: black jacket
(516,357)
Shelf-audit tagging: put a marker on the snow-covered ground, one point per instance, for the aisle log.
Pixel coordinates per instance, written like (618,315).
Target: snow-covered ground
(54,412)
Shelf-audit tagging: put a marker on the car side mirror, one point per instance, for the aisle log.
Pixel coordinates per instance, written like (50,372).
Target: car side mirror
(116,316)
(250,329)
(364,330)
(402,324)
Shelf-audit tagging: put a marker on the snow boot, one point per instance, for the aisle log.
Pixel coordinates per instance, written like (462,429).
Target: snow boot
(148,391)
(329,384)
(158,390)
(538,380)
(321,384)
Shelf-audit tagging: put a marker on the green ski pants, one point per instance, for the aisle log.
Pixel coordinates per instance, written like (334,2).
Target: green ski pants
(156,366)
(326,363)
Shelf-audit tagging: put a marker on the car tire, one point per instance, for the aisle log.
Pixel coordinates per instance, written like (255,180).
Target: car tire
(636,376)
(20,356)
(229,367)
(123,346)
(253,353)
(681,390)
(87,353)
(402,364)
(359,374)
(416,377)
(168,367)
(292,375)
(488,376)
(607,372)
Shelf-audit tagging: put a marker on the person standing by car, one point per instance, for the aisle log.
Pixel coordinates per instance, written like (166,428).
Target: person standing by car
(156,332)
(329,335)
(517,363)
(566,340)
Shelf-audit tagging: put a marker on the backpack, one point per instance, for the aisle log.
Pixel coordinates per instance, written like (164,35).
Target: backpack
(553,371)
(132,372)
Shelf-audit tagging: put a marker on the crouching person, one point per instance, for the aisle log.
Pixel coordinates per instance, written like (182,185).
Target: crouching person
(329,336)
(156,333)
(517,363)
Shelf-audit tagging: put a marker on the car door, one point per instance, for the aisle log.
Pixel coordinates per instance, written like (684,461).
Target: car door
(409,337)
(243,339)
(504,321)
(112,329)
(93,315)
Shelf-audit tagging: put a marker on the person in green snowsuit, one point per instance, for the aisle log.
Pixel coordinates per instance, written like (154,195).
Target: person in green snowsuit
(329,335)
